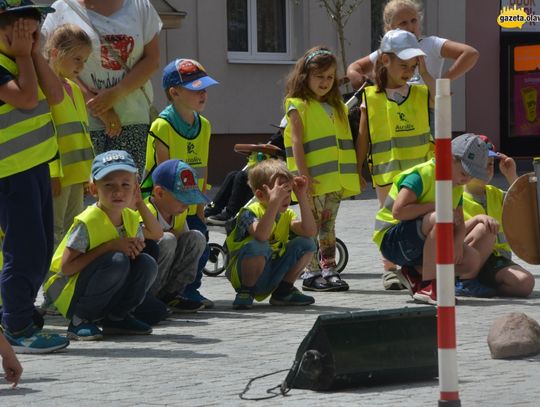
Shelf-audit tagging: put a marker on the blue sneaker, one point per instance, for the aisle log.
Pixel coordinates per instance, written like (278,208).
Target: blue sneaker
(295,297)
(85,331)
(195,295)
(126,326)
(473,288)
(243,300)
(33,340)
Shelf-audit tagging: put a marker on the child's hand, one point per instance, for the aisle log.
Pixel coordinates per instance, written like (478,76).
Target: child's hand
(12,369)
(130,246)
(137,196)
(278,193)
(22,38)
(300,185)
(113,125)
(507,165)
(103,101)
(56,187)
(459,220)
(363,183)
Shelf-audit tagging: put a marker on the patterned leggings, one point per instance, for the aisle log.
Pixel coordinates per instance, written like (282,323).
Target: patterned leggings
(325,208)
(132,139)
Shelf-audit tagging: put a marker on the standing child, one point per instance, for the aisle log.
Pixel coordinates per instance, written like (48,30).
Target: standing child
(175,188)
(68,48)
(27,87)
(100,272)
(407,15)
(262,259)
(394,123)
(405,225)
(499,272)
(319,146)
(181,132)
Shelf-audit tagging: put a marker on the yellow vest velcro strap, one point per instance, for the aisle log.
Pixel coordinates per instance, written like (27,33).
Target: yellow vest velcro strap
(10,117)
(401,142)
(319,144)
(322,169)
(395,165)
(66,129)
(26,141)
(348,168)
(346,144)
(76,156)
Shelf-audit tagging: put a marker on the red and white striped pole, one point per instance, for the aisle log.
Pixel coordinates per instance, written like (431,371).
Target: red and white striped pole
(446,310)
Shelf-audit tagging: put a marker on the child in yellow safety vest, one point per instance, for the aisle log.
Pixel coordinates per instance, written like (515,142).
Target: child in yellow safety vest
(28,142)
(68,48)
(263,259)
(99,270)
(319,146)
(480,200)
(394,123)
(181,132)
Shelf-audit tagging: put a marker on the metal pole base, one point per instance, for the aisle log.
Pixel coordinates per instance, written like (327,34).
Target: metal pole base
(449,403)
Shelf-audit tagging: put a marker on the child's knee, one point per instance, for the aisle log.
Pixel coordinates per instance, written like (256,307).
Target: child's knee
(167,243)
(257,248)
(303,244)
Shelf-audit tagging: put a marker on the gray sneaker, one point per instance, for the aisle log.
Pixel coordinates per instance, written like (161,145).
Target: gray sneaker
(391,281)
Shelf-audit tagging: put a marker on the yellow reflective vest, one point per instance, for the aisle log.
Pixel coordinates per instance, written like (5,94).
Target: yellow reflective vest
(494,201)
(278,240)
(399,133)
(192,151)
(385,220)
(329,151)
(74,145)
(179,221)
(60,288)
(28,137)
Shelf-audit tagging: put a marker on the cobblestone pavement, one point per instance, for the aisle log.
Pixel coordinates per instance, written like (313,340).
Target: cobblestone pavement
(206,359)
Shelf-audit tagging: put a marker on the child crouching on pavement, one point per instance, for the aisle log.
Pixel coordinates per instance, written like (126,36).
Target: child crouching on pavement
(175,189)
(405,225)
(263,261)
(499,274)
(100,272)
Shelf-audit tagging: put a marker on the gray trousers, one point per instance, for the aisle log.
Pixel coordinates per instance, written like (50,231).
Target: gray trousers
(177,262)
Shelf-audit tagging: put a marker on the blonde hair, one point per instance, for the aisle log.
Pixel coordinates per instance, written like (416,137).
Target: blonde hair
(67,38)
(316,59)
(394,6)
(266,172)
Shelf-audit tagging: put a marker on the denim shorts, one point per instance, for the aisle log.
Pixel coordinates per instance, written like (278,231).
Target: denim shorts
(403,244)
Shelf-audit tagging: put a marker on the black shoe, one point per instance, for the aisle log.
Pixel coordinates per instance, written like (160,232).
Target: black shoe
(182,305)
(337,283)
(151,310)
(220,219)
(317,283)
(211,209)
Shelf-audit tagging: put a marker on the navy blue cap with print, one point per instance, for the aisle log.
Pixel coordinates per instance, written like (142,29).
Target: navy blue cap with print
(181,180)
(17,5)
(186,73)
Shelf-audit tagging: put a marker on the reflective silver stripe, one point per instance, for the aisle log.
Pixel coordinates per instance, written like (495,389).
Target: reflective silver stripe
(346,144)
(381,224)
(389,203)
(288,151)
(75,156)
(400,142)
(319,144)
(322,169)
(17,115)
(69,128)
(505,253)
(26,141)
(55,289)
(201,171)
(348,169)
(396,165)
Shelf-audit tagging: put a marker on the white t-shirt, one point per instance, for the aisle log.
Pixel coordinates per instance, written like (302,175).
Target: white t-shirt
(128,30)
(434,61)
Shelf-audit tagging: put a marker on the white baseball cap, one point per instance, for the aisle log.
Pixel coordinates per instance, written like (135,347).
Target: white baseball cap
(401,43)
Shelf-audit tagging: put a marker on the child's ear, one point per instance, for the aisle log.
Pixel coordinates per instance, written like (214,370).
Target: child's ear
(259,194)
(54,52)
(92,188)
(385,59)
(173,92)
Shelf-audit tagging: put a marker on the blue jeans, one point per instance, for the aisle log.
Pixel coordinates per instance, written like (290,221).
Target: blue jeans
(26,217)
(195,223)
(112,284)
(274,269)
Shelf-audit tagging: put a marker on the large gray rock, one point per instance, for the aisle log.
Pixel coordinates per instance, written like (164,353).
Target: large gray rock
(514,335)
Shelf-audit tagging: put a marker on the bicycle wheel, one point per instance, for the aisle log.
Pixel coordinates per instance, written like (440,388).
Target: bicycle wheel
(217,261)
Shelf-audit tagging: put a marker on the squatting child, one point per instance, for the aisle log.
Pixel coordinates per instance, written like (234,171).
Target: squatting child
(263,259)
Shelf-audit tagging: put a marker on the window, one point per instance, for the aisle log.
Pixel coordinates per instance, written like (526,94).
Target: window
(258,30)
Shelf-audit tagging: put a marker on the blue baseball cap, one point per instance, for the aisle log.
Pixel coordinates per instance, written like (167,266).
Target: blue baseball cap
(114,160)
(18,5)
(186,73)
(180,179)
